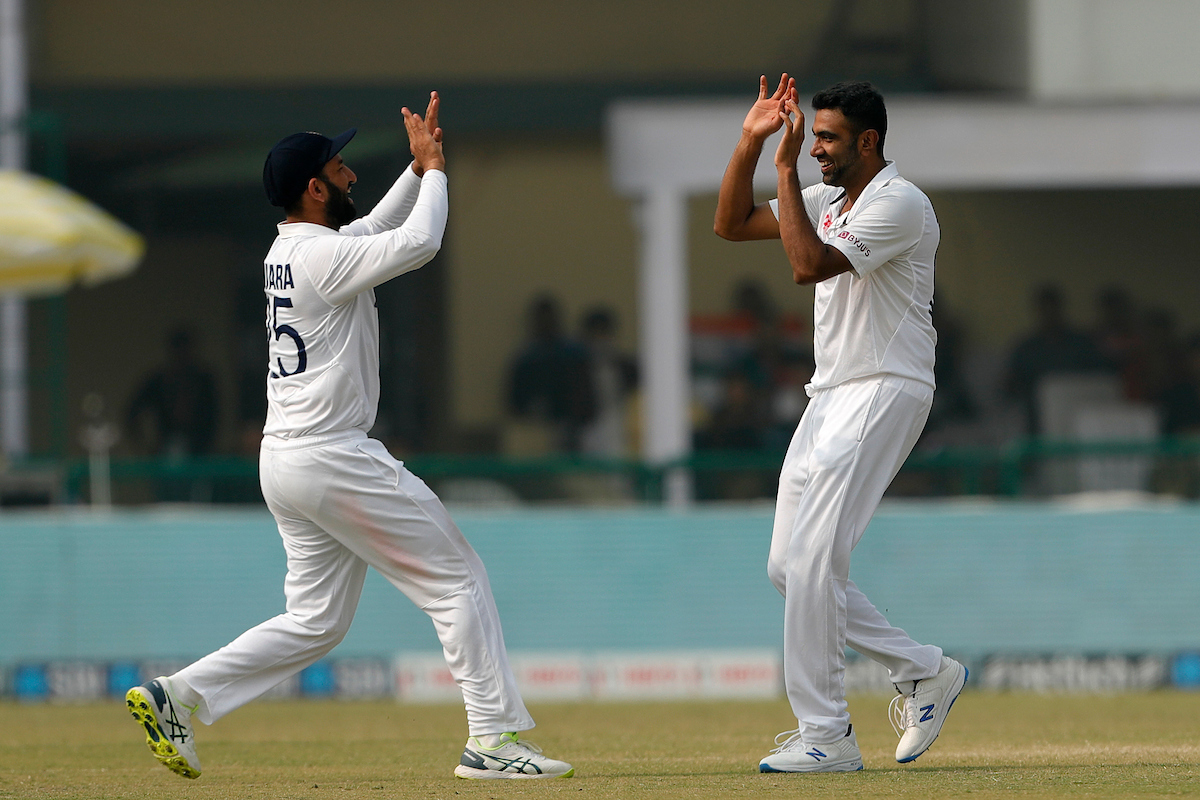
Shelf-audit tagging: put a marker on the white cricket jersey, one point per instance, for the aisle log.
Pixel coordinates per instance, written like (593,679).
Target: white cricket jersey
(877,318)
(322,325)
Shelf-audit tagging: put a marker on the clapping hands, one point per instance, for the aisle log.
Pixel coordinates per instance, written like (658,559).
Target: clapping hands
(425,137)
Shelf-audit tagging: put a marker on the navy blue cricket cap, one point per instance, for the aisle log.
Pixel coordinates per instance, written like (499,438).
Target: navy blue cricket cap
(297,158)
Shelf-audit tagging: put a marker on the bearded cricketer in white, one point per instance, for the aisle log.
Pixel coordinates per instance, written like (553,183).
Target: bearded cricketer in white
(341,501)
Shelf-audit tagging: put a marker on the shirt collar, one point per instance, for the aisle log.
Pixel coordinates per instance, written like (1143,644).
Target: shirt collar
(288,229)
(881,179)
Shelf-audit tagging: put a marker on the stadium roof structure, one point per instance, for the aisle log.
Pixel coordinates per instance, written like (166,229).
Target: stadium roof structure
(662,152)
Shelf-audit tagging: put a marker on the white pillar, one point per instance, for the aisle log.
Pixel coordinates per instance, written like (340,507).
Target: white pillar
(14,92)
(14,421)
(14,104)
(663,331)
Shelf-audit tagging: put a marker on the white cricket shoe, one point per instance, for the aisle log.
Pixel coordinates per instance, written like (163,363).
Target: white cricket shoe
(510,758)
(796,755)
(168,726)
(918,715)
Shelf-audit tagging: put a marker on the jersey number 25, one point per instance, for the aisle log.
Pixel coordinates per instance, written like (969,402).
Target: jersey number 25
(287,330)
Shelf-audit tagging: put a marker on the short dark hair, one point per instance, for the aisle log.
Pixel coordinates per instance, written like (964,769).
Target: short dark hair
(295,205)
(860,103)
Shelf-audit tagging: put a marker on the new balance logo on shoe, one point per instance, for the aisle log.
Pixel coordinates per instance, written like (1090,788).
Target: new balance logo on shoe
(793,754)
(919,715)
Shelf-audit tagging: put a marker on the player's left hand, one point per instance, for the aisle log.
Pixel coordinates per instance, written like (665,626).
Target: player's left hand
(431,116)
(788,152)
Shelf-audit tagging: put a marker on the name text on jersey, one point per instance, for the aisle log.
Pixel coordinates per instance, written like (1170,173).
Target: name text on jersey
(278,276)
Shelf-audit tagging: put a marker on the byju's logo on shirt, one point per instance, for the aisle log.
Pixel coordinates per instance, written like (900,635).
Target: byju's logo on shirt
(854,240)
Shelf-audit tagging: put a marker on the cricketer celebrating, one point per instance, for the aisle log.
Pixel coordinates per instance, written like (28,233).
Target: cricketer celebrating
(866,237)
(341,501)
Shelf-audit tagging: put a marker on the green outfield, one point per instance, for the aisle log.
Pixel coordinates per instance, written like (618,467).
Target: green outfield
(994,745)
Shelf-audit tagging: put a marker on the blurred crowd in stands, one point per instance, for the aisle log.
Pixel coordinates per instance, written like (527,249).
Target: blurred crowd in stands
(570,389)
(1152,362)
(574,390)
(750,366)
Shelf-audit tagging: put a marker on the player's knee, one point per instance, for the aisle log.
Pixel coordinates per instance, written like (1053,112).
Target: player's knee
(337,633)
(324,640)
(322,632)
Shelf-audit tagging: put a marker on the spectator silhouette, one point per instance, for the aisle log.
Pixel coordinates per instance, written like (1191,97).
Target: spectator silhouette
(613,377)
(549,379)
(1118,339)
(753,306)
(1179,403)
(178,400)
(738,423)
(1053,348)
(1160,356)
(953,400)
(752,300)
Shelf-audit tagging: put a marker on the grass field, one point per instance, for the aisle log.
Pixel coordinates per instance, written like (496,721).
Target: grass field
(994,745)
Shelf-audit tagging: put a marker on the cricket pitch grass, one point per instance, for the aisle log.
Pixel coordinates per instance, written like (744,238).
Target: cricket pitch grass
(993,746)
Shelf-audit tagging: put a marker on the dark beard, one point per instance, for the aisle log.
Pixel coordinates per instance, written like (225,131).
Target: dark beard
(838,176)
(339,209)
(835,177)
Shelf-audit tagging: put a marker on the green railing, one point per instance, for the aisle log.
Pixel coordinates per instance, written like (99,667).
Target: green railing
(1172,465)
(1006,471)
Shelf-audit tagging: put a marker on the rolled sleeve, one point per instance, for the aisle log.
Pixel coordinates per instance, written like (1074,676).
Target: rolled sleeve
(815,198)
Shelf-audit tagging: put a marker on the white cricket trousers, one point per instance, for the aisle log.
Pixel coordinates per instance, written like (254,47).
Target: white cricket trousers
(343,503)
(849,445)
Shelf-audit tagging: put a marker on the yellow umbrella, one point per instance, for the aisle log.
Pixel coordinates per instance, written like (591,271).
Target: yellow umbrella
(52,238)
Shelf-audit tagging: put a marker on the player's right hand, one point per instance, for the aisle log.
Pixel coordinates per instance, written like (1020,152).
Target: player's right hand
(425,137)
(764,116)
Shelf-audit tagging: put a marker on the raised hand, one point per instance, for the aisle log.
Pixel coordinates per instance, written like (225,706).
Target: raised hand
(431,116)
(424,140)
(764,116)
(788,152)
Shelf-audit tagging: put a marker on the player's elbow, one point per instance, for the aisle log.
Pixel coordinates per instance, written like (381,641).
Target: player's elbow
(413,250)
(803,276)
(729,231)
(814,266)
(425,246)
